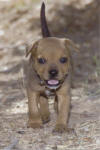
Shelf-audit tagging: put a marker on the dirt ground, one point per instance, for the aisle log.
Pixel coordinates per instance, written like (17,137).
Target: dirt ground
(19,27)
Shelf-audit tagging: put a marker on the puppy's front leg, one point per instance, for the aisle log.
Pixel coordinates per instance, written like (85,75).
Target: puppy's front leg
(63,109)
(34,115)
(44,109)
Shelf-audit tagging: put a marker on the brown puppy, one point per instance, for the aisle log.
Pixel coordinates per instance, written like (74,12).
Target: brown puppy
(49,73)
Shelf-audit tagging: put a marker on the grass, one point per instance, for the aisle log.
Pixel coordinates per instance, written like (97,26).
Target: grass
(96,62)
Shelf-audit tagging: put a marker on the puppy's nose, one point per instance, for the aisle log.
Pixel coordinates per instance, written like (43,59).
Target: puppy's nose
(53,72)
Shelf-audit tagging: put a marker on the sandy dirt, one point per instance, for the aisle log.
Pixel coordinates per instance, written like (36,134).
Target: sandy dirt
(19,28)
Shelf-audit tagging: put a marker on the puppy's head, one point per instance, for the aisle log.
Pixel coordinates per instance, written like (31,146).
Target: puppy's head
(51,60)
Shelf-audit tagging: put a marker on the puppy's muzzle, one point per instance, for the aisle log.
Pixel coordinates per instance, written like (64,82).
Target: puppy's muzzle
(53,73)
(53,83)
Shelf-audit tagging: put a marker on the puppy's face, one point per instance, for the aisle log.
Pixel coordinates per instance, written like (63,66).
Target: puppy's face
(51,58)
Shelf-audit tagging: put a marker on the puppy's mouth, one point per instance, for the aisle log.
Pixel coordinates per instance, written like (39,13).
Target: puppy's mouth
(53,83)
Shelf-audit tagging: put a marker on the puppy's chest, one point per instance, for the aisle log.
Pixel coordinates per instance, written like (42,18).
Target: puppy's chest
(49,93)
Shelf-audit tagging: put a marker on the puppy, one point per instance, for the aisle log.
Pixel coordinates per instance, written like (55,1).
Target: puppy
(49,73)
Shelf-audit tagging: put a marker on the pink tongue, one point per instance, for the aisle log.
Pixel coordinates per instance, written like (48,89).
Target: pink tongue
(53,82)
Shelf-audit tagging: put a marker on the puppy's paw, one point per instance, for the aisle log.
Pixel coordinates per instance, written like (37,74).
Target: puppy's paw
(33,124)
(61,128)
(45,118)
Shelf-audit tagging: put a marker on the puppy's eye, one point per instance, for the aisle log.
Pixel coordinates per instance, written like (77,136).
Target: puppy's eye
(63,60)
(41,60)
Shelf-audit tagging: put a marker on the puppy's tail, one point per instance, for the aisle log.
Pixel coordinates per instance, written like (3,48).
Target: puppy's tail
(44,26)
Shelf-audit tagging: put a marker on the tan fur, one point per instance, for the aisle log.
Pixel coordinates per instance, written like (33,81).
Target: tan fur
(52,49)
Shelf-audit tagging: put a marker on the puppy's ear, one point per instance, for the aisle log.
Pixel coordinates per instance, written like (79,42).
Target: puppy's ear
(71,45)
(32,48)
